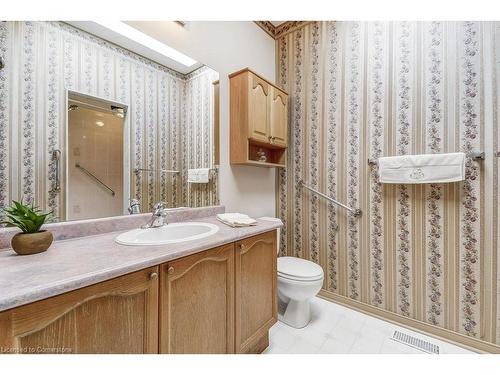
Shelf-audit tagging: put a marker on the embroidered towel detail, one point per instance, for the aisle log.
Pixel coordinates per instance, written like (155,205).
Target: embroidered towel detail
(236,219)
(199,176)
(422,169)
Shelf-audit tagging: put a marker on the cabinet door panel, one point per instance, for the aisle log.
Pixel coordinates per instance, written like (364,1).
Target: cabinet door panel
(115,316)
(258,121)
(279,121)
(197,303)
(256,278)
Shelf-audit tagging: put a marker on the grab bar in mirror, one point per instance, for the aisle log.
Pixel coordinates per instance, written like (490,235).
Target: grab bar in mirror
(95,178)
(137,170)
(475,155)
(354,211)
(56,156)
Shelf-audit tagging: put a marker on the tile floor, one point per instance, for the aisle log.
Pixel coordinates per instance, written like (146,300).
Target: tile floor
(335,329)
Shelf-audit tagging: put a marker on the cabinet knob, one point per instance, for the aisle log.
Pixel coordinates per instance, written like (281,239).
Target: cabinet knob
(170,270)
(153,276)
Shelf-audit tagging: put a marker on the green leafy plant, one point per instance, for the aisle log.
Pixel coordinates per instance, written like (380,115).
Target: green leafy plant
(26,217)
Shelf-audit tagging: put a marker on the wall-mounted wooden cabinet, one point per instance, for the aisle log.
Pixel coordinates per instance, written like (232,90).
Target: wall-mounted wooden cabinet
(221,300)
(259,120)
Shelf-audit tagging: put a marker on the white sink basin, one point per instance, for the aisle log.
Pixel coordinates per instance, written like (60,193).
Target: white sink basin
(171,233)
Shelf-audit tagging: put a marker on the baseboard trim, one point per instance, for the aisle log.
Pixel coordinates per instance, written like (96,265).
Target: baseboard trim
(440,333)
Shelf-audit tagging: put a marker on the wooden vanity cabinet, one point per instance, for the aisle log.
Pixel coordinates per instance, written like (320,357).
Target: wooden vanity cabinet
(197,303)
(221,300)
(115,316)
(259,120)
(256,297)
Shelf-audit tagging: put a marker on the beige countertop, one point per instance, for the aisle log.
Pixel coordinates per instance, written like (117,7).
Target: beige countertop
(78,262)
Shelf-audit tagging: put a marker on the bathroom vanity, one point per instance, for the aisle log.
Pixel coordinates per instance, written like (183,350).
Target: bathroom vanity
(91,295)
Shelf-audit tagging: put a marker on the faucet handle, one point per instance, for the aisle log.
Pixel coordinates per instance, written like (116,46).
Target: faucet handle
(134,206)
(159,205)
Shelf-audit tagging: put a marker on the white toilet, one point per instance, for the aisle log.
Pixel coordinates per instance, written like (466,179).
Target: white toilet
(299,280)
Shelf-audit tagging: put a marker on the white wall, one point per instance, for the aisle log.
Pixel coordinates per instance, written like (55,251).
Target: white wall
(227,47)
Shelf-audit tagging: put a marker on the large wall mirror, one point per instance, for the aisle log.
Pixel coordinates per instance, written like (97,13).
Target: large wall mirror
(87,124)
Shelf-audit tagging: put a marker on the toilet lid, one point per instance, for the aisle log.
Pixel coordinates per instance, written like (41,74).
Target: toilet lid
(296,268)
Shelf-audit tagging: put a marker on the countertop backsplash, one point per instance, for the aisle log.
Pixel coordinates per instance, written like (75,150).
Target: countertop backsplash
(81,228)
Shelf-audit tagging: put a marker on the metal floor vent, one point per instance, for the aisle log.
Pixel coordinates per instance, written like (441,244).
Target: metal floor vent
(415,342)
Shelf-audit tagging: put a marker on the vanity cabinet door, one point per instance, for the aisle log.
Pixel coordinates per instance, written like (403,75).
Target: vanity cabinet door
(256,298)
(197,303)
(258,114)
(115,316)
(278,117)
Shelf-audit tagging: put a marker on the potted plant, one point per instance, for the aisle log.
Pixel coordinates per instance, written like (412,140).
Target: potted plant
(29,219)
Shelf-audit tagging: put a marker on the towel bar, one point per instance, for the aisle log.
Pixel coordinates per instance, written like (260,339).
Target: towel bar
(356,212)
(138,170)
(95,178)
(475,155)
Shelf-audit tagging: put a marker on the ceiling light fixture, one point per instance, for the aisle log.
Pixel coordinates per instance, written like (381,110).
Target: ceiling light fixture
(147,41)
(99,123)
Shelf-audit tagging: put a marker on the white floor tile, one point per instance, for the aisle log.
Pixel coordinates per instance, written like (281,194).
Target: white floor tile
(348,325)
(275,349)
(303,347)
(325,320)
(365,347)
(336,346)
(393,347)
(312,336)
(335,329)
(447,348)
(282,338)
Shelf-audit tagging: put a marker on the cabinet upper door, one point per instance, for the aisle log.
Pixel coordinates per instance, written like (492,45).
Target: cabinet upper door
(115,316)
(278,117)
(197,303)
(258,114)
(256,295)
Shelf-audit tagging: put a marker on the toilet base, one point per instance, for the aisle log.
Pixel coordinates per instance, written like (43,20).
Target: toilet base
(296,314)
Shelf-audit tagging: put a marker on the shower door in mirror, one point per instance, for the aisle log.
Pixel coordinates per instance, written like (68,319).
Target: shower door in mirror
(94,182)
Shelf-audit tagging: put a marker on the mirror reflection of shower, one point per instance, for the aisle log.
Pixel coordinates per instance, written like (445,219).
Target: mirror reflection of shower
(94,158)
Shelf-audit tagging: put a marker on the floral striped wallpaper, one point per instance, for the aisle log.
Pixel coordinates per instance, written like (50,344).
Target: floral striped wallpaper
(362,90)
(168,124)
(197,128)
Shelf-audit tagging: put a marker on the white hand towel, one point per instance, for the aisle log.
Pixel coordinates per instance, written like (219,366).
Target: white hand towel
(422,169)
(236,219)
(199,176)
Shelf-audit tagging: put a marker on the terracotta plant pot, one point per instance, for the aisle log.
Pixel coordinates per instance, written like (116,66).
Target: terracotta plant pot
(32,243)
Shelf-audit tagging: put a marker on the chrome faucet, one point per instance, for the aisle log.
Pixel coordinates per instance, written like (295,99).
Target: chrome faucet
(159,216)
(134,207)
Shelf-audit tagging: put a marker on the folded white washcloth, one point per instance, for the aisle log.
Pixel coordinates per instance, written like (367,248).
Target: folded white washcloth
(422,169)
(199,176)
(236,219)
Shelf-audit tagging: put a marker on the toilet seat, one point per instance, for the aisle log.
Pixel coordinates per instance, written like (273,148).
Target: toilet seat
(298,269)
